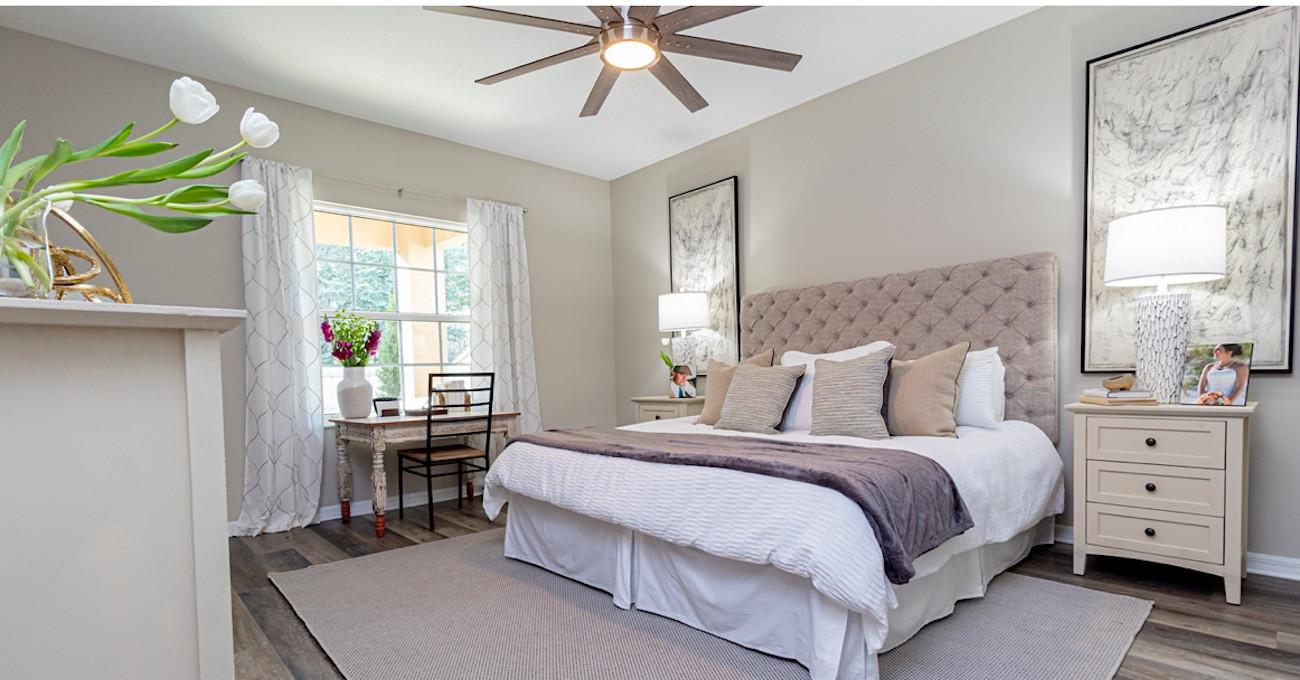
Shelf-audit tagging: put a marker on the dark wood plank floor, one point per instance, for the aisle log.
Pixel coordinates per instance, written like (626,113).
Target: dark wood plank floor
(1192,633)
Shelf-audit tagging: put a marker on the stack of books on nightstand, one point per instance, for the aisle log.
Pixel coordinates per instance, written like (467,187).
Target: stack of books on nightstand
(1104,397)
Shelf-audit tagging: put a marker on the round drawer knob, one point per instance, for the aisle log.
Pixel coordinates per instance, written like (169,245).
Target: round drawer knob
(1151,441)
(1149,531)
(1151,487)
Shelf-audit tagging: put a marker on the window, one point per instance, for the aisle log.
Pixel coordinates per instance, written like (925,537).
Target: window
(410,274)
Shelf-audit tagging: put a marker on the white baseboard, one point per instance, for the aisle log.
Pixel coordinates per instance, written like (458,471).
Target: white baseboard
(365,507)
(330,512)
(1256,563)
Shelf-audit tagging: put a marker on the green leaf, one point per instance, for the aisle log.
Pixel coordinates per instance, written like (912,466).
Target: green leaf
(7,152)
(196,193)
(171,224)
(20,170)
(104,145)
(157,173)
(140,149)
(214,168)
(53,160)
(208,210)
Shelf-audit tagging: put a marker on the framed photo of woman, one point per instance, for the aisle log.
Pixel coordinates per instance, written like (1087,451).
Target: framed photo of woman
(1218,374)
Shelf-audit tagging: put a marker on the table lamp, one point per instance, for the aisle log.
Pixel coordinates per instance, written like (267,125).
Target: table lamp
(683,312)
(1164,247)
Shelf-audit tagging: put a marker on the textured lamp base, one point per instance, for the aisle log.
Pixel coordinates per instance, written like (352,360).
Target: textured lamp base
(1162,343)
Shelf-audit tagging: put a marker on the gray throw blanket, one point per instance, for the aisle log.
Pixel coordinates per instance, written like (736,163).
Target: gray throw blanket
(909,500)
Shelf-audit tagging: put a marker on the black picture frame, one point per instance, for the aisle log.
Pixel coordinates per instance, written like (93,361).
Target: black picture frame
(1287,352)
(734,180)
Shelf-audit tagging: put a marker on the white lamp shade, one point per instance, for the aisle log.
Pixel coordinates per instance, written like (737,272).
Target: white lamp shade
(683,311)
(1167,246)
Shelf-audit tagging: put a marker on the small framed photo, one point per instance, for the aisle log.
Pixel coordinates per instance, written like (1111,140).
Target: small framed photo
(1217,374)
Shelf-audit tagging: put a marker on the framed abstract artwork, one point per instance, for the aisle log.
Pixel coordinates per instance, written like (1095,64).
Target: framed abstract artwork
(1202,117)
(703,256)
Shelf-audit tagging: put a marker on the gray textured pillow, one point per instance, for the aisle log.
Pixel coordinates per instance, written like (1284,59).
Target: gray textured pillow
(847,396)
(758,397)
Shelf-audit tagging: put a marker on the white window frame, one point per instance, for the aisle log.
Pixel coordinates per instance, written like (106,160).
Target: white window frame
(397,317)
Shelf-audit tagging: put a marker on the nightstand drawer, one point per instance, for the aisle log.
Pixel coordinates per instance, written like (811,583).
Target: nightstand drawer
(655,412)
(1156,532)
(1160,487)
(1161,441)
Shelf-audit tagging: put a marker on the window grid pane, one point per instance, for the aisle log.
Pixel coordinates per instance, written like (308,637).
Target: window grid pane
(404,279)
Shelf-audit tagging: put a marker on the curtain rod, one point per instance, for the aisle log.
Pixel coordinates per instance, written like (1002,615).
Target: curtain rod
(400,190)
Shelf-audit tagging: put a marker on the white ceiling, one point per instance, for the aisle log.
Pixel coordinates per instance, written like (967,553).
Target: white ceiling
(414,69)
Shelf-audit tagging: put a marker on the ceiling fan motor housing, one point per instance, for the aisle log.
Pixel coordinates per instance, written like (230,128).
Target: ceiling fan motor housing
(629,30)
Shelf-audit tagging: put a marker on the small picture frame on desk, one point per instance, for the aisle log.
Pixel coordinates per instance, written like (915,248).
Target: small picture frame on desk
(387,406)
(1217,374)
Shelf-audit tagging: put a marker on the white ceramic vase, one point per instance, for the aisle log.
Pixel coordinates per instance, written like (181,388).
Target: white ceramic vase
(354,393)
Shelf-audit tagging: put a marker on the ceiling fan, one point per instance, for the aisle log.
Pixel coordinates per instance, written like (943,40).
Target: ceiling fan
(634,41)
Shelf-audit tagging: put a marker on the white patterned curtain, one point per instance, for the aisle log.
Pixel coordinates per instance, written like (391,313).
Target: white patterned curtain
(501,319)
(283,420)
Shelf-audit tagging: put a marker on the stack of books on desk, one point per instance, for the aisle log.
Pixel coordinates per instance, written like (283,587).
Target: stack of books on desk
(1104,397)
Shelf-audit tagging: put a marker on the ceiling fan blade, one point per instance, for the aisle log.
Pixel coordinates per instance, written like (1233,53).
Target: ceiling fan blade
(643,13)
(604,83)
(677,84)
(606,14)
(740,54)
(567,55)
(690,17)
(513,18)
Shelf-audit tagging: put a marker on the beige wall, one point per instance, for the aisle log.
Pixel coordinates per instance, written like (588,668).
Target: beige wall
(84,95)
(971,152)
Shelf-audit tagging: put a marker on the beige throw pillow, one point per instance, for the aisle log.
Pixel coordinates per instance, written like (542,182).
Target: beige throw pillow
(758,397)
(923,394)
(719,381)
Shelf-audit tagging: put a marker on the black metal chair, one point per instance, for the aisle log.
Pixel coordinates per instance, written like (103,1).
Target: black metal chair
(438,454)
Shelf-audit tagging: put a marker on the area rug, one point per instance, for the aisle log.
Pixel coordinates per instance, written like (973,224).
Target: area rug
(458,608)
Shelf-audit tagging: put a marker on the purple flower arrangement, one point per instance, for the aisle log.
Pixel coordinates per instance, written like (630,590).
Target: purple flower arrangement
(353,339)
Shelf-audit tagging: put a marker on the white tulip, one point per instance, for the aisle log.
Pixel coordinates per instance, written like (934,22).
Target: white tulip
(258,130)
(191,102)
(247,194)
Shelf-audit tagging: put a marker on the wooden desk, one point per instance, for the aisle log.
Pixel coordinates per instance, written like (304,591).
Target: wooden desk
(378,432)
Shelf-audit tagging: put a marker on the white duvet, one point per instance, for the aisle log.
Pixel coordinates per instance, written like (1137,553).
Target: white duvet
(1010,479)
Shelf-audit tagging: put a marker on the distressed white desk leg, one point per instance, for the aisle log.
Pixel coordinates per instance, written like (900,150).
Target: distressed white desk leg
(378,480)
(345,475)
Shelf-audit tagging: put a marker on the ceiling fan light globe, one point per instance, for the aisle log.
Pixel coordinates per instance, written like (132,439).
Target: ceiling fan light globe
(630,55)
(629,46)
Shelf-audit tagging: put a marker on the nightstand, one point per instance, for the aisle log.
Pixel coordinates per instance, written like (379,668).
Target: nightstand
(1165,484)
(663,408)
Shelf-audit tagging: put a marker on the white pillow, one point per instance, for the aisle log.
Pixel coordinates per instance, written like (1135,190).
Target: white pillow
(798,414)
(981,389)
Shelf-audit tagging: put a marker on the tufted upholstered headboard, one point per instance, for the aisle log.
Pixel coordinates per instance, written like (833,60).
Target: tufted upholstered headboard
(1009,302)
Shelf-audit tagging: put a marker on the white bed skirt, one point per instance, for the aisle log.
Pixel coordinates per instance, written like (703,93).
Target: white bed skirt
(736,600)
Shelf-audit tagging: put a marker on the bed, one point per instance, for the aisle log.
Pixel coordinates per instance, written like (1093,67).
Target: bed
(794,569)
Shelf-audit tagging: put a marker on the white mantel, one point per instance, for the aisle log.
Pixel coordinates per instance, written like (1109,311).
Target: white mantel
(115,563)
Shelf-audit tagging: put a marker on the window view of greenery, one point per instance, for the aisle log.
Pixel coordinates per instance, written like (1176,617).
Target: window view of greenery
(413,279)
